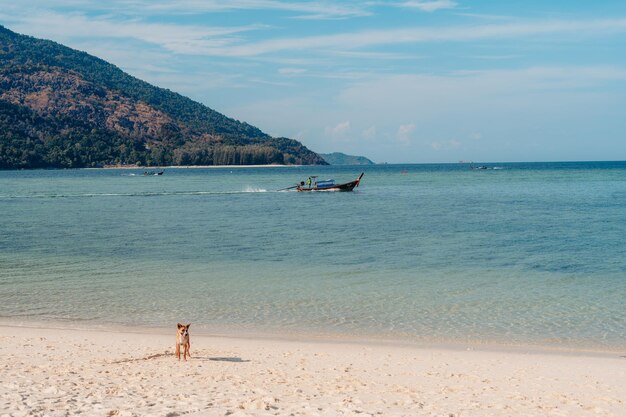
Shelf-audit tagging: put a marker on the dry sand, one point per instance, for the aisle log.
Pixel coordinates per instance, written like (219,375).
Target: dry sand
(52,372)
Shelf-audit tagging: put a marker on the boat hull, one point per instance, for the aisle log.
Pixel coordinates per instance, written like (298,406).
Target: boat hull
(348,186)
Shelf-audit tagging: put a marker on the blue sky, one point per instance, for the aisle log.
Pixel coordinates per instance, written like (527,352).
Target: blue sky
(396,81)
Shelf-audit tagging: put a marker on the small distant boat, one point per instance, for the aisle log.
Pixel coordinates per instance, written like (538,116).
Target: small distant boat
(483,167)
(146,173)
(472,167)
(313,185)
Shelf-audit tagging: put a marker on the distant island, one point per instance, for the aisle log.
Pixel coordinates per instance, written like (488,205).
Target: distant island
(338,158)
(62,108)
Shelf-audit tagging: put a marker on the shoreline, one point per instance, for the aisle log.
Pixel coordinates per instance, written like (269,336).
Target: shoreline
(57,372)
(195,166)
(327,338)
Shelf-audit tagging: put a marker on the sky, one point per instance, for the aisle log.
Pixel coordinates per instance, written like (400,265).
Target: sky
(399,81)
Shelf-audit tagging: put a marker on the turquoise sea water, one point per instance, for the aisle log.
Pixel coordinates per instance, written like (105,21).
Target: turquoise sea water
(529,253)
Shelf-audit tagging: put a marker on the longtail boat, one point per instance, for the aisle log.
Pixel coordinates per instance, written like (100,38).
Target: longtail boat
(313,185)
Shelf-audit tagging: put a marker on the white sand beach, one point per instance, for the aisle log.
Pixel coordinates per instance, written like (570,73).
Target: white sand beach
(61,372)
(193,166)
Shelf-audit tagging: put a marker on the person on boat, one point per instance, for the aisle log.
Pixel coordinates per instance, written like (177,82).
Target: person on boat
(308,182)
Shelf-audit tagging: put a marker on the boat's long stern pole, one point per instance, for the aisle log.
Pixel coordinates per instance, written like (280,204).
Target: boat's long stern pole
(358,181)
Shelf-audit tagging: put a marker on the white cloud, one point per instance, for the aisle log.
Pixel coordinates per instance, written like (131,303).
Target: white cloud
(310,9)
(369,55)
(322,9)
(422,96)
(495,57)
(363,39)
(235,42)
(190,39)
(339,130)
(509,109)
(486,16)
(429,6)
(369,133)
(291,71)
(405,132)
(445,145)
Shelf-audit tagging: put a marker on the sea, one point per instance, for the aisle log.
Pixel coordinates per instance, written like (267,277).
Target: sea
(515,254)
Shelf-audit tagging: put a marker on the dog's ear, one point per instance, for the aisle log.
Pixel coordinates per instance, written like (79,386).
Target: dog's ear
(180,325)
(188,325)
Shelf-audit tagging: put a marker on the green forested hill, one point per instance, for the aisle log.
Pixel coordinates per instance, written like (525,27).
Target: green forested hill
(64,108)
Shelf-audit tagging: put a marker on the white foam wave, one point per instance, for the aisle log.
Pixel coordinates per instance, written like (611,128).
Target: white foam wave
(254,190)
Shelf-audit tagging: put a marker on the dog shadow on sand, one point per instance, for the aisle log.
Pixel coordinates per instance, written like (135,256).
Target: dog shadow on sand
(234,359)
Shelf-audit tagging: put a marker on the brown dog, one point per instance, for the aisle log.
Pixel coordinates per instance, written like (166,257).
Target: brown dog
(182,340)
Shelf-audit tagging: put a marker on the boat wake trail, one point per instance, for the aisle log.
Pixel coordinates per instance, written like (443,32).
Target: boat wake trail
(138,194)
(254,190)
